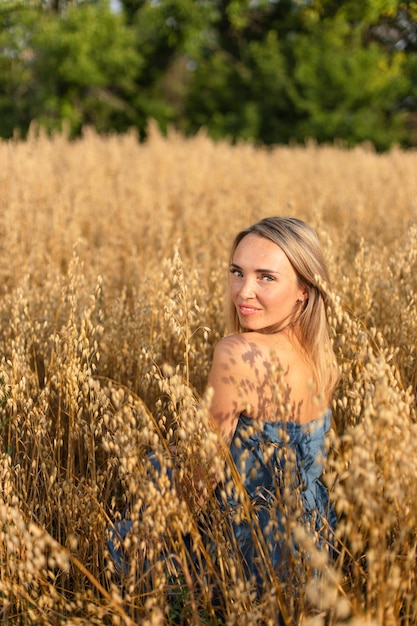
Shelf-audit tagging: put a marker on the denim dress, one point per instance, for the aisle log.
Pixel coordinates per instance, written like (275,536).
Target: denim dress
(278,466)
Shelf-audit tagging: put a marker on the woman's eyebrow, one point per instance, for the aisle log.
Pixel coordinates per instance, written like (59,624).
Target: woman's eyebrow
(262,271)
(259,271)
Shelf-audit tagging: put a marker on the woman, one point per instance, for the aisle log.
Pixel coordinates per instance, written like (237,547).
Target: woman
(276,307)
(271,382)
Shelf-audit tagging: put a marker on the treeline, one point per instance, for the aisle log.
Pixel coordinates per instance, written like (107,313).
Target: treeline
(269,71)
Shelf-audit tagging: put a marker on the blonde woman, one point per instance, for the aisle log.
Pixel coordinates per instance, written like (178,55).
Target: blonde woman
(272,381)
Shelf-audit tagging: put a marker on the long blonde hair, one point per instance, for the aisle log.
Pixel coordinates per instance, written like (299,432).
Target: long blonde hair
(302,247)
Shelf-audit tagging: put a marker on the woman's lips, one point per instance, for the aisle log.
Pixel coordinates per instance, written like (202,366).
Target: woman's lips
(247,310)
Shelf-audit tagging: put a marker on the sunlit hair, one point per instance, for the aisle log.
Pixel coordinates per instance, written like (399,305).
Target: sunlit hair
(302,247)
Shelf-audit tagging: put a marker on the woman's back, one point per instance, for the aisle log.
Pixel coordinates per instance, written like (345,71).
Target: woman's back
(265,376)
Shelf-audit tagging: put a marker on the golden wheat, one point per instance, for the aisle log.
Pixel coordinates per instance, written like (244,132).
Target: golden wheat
(113,258)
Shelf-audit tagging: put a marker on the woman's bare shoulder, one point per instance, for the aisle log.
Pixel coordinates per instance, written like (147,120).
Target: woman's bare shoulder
(249,355)
(255,342)
(239,345)
(234,341)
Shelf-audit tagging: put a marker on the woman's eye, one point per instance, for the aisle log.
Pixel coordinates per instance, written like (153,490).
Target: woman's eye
(236,273)
(268,278)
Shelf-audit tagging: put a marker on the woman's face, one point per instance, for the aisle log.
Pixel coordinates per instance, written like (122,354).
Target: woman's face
(264,286)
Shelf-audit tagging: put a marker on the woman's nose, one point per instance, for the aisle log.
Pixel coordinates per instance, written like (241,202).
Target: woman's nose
(247,289)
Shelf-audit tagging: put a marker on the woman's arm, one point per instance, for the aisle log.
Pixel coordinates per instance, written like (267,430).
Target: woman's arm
(225,380)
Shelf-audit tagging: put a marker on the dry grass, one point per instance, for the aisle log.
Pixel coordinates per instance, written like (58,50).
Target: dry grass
(113,260)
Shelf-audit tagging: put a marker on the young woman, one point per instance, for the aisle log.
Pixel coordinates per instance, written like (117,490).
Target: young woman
(271,381)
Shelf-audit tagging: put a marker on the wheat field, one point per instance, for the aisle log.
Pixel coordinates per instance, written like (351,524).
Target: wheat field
(113,271)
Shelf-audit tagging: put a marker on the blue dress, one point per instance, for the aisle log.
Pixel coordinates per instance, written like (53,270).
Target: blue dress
(279,465)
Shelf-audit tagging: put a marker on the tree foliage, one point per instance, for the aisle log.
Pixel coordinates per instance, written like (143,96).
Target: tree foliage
(79,67)
(270,71)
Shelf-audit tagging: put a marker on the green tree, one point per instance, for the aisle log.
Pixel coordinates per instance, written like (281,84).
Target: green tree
(241,83)
(266,70)
(347,90)
(274,72)
(80,66)
(15,69)
(171,35)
